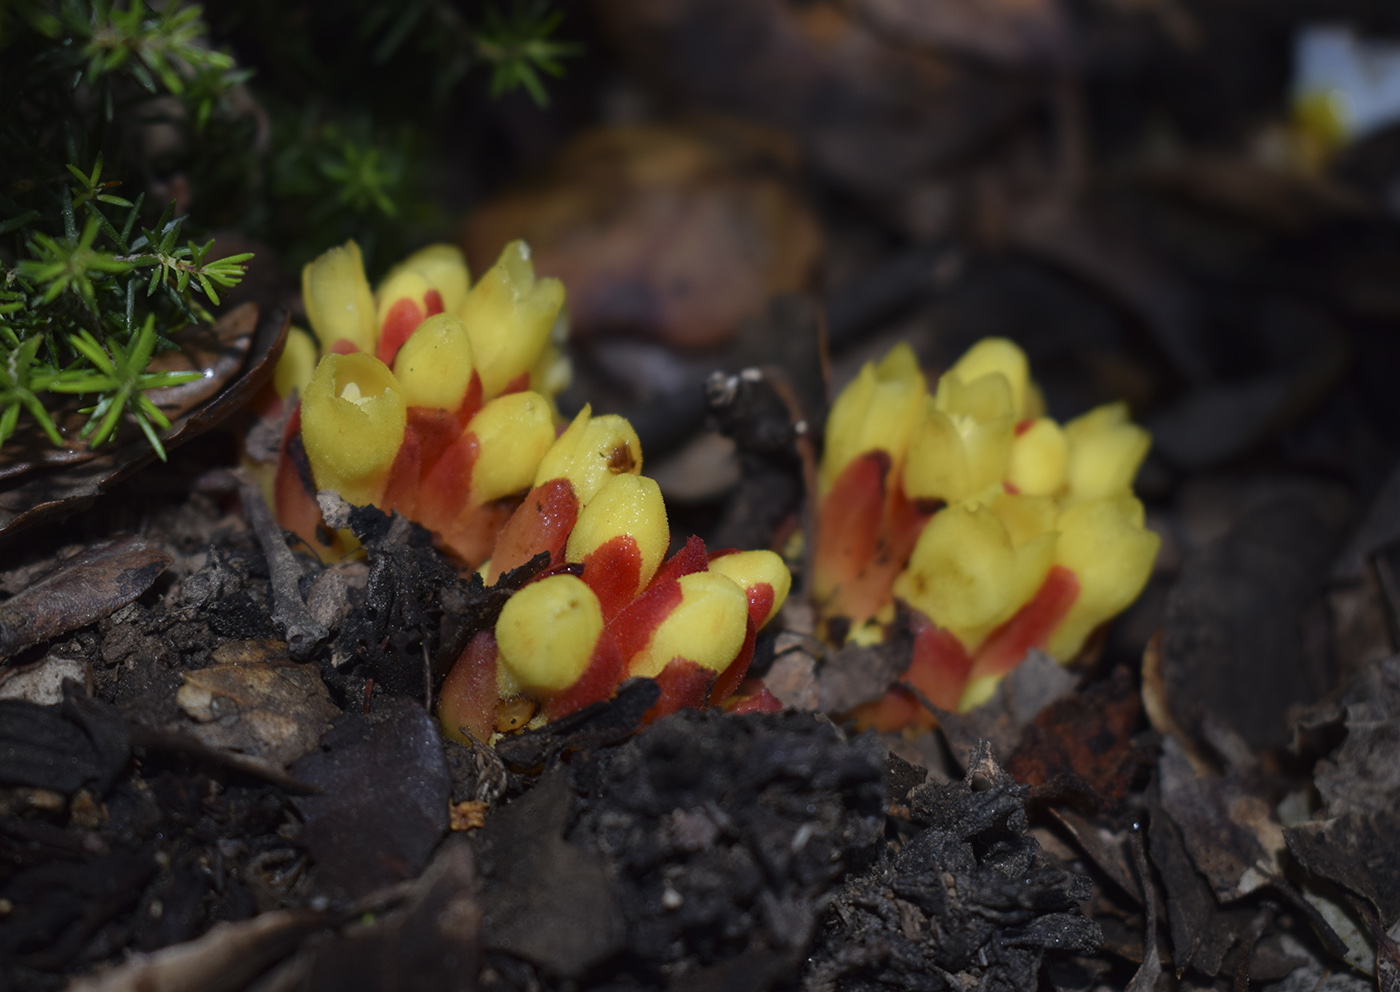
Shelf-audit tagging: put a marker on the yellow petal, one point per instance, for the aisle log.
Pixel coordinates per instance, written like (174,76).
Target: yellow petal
(997,356)
(966,574)
(1039,459)
(297,363)
(1024,517)
(936,467)
(626,504)
(338,302)
(590,452)
(441,267)
(1105,450)
(1106,546)
(879,409)
(509,314)
(352,423)
(513,432)
(434,366)
(546,634)
(707,627)
(750,568)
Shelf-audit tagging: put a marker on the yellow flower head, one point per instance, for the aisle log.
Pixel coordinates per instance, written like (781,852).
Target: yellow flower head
(352,421)
(1105,450)
(590,452)
(708,627)
(434,366)
(877,411)
(508,315)
(338,302)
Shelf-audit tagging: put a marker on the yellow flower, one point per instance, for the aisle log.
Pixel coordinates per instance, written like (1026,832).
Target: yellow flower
(590,452)
(296,365)
(1105,450)
(352,422)
(1106,546)
(625,506)
(878,410)
(437,268)
(707,627)
(967,574)
(434,366)
(754,571)
(508,315)
(997,357)
(546,634)
(1039,458)
(514,432)
(338,302)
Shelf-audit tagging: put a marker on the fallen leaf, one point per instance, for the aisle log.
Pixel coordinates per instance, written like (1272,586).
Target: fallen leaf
(81,590)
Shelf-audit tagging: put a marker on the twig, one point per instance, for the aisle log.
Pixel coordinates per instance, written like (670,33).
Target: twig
(301,632)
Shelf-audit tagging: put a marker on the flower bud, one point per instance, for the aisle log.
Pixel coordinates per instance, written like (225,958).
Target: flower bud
(434,366)
(352,423)
(513,432)
(1039,458)
(1106,546)
(968,576)
(955,456)
(547,633)
(428,282)
(997,356)
(509,315)
(439,268)
(590,452)
(297,364)
(626,505)
(707,627)
(878,410)
(1105,450)
(338,302)
(762,575)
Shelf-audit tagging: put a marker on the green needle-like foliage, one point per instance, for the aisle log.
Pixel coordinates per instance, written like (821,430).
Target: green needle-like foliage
(110,109)
(118,375)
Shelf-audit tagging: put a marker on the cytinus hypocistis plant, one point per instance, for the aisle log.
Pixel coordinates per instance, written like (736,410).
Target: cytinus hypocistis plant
(434,398)
(998,528)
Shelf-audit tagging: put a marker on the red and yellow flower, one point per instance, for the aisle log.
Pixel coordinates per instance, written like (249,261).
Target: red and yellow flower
(430,396)
(999,529)
(433,397)
(608,607)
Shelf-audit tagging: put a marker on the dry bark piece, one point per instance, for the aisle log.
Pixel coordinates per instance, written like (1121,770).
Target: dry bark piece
(262,704)
(79,591)
(1233,645)
(34,491)
(550,902)
(1031,686)
(1228,831)
(429,943)
(383,807)
(1081,746)
(1191,907)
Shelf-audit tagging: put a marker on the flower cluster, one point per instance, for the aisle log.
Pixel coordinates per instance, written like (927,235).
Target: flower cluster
(433,398)
(608,608)
(998,528)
